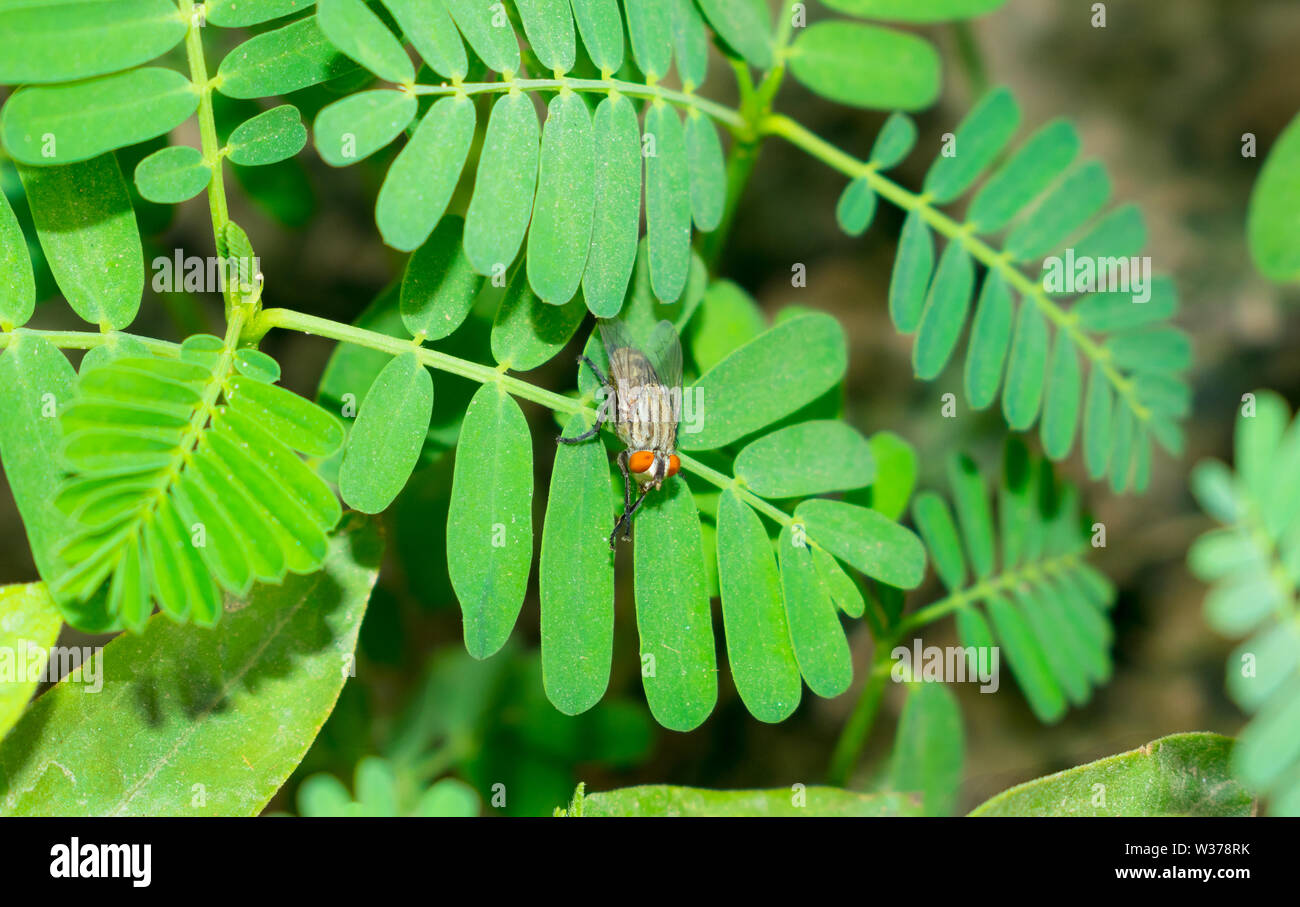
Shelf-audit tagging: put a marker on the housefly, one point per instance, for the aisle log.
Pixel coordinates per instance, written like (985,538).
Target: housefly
(643,399)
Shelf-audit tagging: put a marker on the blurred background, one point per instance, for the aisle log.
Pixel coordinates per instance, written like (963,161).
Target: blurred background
(1162,95)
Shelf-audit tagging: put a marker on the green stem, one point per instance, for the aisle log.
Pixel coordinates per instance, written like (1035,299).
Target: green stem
(88,340)
(858,728)
(211,148)
(796,134)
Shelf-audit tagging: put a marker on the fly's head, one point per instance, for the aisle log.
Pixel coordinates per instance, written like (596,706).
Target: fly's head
(652,467)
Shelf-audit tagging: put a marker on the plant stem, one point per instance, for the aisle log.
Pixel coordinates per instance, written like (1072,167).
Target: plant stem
(858,728)
(211,148)
(88,340)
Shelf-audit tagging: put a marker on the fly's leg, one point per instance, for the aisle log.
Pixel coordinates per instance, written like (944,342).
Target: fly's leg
(595,429)
(625,521)
(627,497)
(582,358)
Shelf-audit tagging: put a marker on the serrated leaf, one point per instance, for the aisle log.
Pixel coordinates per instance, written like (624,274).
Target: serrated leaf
(504,185)
(806,458)
(422,178)
(559,236)
(280,61)
(865,65)
(439,285)
(172,174)
(352,129)
(384,444)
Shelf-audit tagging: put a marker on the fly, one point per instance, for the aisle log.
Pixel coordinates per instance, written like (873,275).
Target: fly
(643,400)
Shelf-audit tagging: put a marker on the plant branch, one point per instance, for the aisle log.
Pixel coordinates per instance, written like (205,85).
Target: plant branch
(88,340)
(857,730)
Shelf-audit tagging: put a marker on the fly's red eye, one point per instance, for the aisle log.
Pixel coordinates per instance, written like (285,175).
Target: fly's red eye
(674,464)
(640,461)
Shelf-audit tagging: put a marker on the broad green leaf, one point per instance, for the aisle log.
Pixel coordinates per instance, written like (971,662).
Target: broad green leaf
(1075,199)
(548,24)
(494,43)
(617,204)
(1178,775)
(728,319)
(267,138)
(708,177)
(489,520)
(1026,660)
(973,513)
(915,10)
(422,178)
(762,662)
(241,13)
(913,265)
(856,207)
(527,332)
(17,282)
(690,43)
(944,315)
(820,647)
(770,377)
(504,184)
(894,141)
(865,539)
(439,285)
(895,473)
(38,44)
(245,704)
(1273,223)
(352,129)
(354,29)
(576,576)
(667,203)
(280,61)
(601,27)
(29,626)
(63,124)
(1096,423)
(649,29)
(385,441)
(745,25)
(1061,398)
(1025,175)
(88,232)
(806,458)
(865,65)
(172,174)
(560,234)
(428,26)
(1026,368)
(665,800)
(990,338)
(929,749)
(977,142)
(678,662)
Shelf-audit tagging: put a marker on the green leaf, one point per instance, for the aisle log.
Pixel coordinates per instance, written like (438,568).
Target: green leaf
(865,539)
(172,174)
(427,25)
(911,278)
(548,25)
(649,30)
(977,142)
(1026,368)
(439,285)
(728,319)
(895,473)
(1027,660)
(17,282)
(489,520)
(1273,222)
(1155,350)
(770,377)
(1075,199)
(617,203)
(806,458)
(1120,233)
(29,626)
(496,46)
(560,234)
(385,442)
(973,513)
(1025,175)
(37,43)
(88,232)
(678,662)
(352,129)
(866,66)
(1096,424)
(915,10)
(708,177)
(255,364)
(280,61)
(1178,775)
(422,178)
(690,43)
(665,800)
(359,33)
(576,577)
(944,315)
(762,661)
(894,141)
(601,27)
(245,704)
(820,647)
(1061,402)
(667,203)
(527,332)
(989,341)
(929,748)
(267,138)
(241,13)
(1117,311)
(856,207)
(745,25)
(934,521)
(504,185)
(63,124)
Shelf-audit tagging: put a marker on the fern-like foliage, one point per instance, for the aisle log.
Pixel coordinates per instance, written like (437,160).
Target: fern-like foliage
(1024,583)
(1253,562)
(184,482)
(1030,338)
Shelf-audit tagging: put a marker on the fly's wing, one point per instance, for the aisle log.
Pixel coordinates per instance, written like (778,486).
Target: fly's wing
(661,351)
(645,376)
(664,350)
